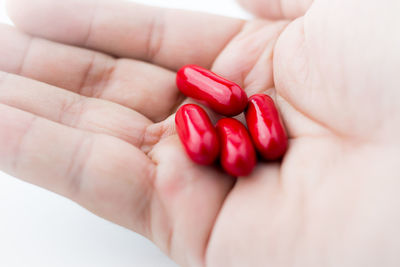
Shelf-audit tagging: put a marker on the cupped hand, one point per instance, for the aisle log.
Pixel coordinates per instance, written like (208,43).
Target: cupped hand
(87,101)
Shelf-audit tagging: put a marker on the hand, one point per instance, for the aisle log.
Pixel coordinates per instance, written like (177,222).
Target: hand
(95,124)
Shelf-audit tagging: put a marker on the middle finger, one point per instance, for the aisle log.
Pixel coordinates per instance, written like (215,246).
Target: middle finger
(146,88)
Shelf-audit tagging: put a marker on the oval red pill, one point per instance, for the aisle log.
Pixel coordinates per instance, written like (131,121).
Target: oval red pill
(221,95)
(265,127)
(197,134)
(238,156)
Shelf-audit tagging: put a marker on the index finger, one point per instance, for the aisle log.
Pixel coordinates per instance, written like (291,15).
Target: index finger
(167,37)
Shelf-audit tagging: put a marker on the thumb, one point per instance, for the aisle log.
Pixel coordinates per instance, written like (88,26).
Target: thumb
(277,9)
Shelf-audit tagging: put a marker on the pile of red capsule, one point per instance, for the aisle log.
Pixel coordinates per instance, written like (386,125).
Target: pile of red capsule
(229,140)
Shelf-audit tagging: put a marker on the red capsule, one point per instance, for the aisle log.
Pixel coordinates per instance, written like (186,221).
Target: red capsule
(265,127)
(238,156)
(221,95)
(197,134)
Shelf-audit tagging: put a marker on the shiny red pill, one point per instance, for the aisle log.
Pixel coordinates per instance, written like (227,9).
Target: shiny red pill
(266,128)
(221,95)
(197,134)
(238,156)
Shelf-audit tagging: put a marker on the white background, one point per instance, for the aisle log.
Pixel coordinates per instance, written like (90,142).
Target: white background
(38,228)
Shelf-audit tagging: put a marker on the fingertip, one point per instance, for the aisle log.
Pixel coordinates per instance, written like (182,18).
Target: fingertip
(276,9)
(48,17)
(21,12)
(11,7)
(259,8)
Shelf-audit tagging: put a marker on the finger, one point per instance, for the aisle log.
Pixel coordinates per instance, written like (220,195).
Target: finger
(102,173)
(277,9)
(170,38)
(251,69)
(76,111)
(131,83)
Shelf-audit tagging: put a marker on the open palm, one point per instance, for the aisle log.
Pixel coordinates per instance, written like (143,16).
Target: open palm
(87,107)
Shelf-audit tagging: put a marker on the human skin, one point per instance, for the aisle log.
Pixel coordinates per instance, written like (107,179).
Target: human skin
(95,124)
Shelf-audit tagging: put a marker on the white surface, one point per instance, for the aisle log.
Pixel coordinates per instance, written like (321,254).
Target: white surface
(38,228)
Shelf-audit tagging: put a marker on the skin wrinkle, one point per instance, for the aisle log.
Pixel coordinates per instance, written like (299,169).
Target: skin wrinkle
(18,149)
(25,55)
(148,225)
(281,9)
(314,120)
(143,137)
(101,82)
(282,104)
(79,159)
(145,208)
(156,35)
(154,195)
(68,107)
(106,78)
(163,130)
(87,37)
(104,84)
(86,74)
